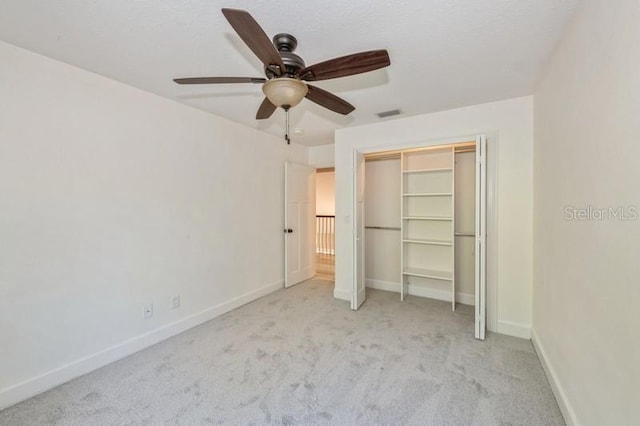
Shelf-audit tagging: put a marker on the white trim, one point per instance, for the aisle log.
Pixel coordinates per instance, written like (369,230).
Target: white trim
(342,294)
(492,259)
(358,296)
(515,329)
(420,143)
(35,385)
(568,413)
(480,281)
(465,298)
(445,295)
(328,165)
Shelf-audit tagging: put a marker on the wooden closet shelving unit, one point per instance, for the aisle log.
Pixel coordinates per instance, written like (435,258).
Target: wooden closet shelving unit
(427,230)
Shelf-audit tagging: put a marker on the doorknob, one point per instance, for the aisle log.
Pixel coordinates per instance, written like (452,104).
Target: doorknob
(288,231)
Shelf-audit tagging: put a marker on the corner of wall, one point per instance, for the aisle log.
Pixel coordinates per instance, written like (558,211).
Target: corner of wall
(558,391)
(515,329)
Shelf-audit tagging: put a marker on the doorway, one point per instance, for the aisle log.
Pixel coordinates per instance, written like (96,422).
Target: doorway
(325,223)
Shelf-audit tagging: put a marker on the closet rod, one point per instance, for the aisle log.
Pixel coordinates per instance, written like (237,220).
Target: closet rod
(388,228)
(464,234)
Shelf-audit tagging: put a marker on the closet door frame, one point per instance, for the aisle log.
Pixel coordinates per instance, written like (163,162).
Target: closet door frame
(490,283)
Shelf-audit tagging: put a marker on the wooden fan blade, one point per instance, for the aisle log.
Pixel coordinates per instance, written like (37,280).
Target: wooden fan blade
(356,63)
(266,109)
(254,37)
(329,100)
(218,80)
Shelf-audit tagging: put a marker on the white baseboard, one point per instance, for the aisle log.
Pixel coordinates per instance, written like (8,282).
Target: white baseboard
(558,391)
(383,285)
(342,294)
(31,387)
(504,327)
(515,329)
(466,299)
(463,298)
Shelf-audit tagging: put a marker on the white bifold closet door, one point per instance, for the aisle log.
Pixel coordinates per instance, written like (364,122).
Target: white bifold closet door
(481,237)
(359,282)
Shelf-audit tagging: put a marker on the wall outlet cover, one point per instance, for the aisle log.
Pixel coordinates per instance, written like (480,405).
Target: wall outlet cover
(148,310)
(175,302)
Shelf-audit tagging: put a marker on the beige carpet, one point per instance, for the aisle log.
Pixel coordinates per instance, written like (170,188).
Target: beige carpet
(298,356)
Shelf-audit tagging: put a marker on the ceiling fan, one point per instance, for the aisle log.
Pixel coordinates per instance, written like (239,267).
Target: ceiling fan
(286,73)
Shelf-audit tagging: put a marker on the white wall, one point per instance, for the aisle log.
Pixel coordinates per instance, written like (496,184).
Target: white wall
(321,156)
(111,198)
(509,126)
(326,193)
(586,314)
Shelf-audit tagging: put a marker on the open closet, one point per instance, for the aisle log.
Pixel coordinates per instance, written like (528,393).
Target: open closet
(420,221)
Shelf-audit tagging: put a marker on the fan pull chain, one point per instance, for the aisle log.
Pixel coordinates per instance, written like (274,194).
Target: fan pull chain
(286,134)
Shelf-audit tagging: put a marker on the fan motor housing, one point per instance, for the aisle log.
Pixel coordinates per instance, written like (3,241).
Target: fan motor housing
(286,44)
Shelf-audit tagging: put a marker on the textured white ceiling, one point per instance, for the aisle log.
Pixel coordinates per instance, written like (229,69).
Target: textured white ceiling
(444,54)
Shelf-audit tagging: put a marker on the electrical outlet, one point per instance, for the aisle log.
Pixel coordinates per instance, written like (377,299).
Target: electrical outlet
(148,310)
(175,302)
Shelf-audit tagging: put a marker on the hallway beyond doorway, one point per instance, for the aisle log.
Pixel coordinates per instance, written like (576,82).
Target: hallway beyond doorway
(325,266)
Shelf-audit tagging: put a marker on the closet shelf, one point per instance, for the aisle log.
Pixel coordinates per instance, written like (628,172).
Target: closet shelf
(442,169)
(428,241)
(427,218)
(429,273)
(428,194)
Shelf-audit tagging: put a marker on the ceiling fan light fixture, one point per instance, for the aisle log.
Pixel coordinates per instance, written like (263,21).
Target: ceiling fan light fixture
(285,92)
(287,73)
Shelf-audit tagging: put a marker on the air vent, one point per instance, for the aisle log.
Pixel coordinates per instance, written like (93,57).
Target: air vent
(390,113)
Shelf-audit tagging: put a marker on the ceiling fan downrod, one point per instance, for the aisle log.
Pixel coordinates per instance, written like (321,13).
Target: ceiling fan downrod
(286,132)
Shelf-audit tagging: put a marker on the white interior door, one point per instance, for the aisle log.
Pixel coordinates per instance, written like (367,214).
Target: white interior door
(481,237)
(358,294)
(299,223)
